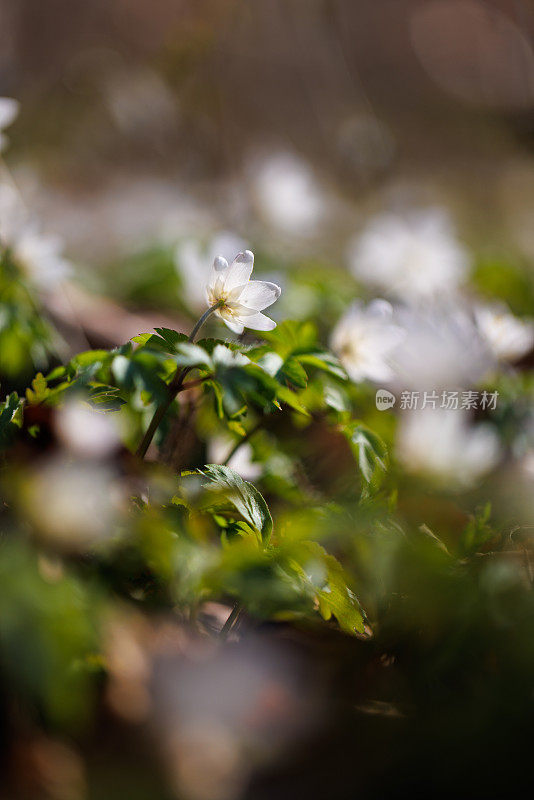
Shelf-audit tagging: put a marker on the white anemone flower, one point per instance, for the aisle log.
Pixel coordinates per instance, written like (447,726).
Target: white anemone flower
(365,338)
(242,300)
(411,257)
(443,445)
(9,110)
(192,262)
(508,337)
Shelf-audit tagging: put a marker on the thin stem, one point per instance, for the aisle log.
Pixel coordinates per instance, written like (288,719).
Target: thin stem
(232,620)
(238,444)
(203,319)
(175,387)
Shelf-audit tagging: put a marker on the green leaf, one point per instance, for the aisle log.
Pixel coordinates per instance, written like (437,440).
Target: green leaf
(290,398)
(369,449)
(39,391)
(243,496)
(90,357)
(292,338)
(10,417)
(331,585)
(336,398)
(172,338)
(324,361)
(294,373)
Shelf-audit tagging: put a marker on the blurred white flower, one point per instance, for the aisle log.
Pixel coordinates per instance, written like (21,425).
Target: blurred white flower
(9,110)
(72,503)
(508,337)
(442,348)
(243,299)
(288,194)
(410,257)
(87,433)
(241,461)
(38,256)
(445,446)
(364,340)
(193,261)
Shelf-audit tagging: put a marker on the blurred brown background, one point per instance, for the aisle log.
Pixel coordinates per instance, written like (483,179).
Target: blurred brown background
(151,104)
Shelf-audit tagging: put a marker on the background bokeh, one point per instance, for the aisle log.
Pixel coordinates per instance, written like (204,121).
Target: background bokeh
(153,136)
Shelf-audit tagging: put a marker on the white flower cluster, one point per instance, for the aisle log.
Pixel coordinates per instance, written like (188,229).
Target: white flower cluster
(432,336)
(429,335)
(38,256)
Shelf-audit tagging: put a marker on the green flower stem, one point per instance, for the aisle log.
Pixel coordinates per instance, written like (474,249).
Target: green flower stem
(175,387)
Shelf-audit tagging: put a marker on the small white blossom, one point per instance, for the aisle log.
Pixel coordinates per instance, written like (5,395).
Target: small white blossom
(443,445)
(242,299)
(508,337)
(192,262)
(410,257)
(364,340)
(38,256)
(9,110)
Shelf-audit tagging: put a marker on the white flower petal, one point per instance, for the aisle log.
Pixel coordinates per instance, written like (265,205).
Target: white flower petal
(258,322)
(259,294)
(232,323)
(240,271)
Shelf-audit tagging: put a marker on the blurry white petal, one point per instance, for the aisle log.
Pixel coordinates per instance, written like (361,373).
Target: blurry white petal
(442,444)
(365,339)
(413,256)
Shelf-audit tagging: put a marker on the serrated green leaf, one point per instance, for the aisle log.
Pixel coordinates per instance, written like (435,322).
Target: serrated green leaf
(243,496)
(39,390)
(10,417)
(331,585)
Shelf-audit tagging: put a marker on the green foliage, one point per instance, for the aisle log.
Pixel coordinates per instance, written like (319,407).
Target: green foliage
(243,496)
(10,418)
